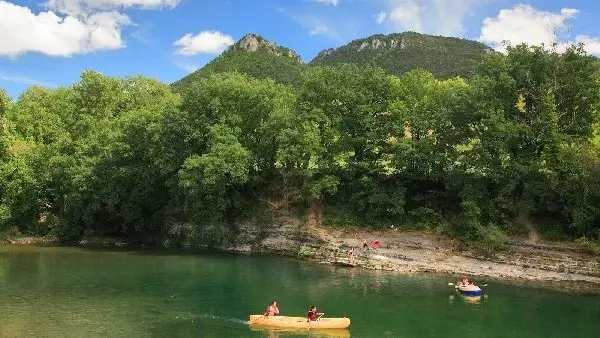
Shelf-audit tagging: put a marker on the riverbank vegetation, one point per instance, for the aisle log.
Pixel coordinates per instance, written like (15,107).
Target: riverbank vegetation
(131,158)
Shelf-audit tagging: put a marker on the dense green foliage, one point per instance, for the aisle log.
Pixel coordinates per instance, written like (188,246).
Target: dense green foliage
(259,65)
(398,53)
(254,56)
(130,158)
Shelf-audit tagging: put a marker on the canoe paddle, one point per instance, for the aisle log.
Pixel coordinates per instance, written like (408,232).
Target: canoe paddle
(261,317)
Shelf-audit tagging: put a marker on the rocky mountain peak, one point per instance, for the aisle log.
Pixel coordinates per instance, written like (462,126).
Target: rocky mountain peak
(324,53)
(254,42)
(398,53)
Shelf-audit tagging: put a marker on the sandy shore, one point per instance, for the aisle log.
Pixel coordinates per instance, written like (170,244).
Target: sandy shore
(562,265)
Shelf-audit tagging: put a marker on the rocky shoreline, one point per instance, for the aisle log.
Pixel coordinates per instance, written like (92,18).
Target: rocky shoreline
(563,266)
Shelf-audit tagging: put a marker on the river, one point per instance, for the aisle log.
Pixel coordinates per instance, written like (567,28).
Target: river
(86,292)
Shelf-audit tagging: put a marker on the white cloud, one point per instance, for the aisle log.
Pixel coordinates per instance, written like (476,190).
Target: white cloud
(22,31)
(318,30)
(380,18)
(329,2)
(23,80)
(317,24)
(525,24)
(450,15)
(142,35)
(569,11)
(520,24)
(407,15)
(79,7)
(207,42)
(67,27)
(187,67)
(317,27)
(591,45)
(444,17)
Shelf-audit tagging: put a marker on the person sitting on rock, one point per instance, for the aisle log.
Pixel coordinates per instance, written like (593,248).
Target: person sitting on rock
(351,256)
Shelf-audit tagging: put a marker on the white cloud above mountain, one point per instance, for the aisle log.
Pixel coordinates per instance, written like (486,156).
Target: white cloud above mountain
(518,24)
(328,2)
(187,67)
(526,24)
(67,27)
(407,14)
(206,42)
(78,7)
(445,17)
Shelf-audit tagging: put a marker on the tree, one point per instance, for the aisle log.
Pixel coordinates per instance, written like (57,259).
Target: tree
(224,139)
(525,104)
(333,133)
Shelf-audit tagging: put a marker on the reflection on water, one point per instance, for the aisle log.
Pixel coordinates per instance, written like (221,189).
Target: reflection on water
(271,332)
(471,299)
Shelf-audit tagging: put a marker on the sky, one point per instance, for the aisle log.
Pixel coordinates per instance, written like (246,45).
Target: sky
(50,42)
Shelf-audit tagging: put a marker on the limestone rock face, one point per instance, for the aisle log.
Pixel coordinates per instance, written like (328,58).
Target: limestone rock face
(254,42)
(397,53)
(324,53)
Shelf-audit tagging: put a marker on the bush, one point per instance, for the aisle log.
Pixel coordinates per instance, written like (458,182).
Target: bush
(589,245)
(491,238)
(552,229)
(337,217)
(424,218)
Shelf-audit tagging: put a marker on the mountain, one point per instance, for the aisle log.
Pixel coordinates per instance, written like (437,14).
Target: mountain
(400,52)
(396,53)
(255,56)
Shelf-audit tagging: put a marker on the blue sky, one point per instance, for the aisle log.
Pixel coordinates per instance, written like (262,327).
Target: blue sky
(50,42)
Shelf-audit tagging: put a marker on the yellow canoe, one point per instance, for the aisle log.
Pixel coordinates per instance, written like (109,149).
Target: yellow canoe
(300,322)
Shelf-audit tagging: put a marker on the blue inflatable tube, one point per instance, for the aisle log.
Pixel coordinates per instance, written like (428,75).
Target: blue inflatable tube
(472,291)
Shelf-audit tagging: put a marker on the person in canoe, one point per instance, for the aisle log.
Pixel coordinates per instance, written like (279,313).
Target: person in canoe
(313,315)
(272,309)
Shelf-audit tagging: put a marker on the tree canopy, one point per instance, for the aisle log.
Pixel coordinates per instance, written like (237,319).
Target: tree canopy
(399,53)
(129,157)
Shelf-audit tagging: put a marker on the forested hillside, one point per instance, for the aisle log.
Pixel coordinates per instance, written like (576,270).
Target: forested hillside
(130,158)
(254,56)
(398,53)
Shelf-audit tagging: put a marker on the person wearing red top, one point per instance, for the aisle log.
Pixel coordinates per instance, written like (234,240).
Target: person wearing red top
(272,309)
(313,315)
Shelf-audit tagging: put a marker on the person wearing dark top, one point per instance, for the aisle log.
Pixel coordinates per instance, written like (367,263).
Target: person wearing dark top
(313,315)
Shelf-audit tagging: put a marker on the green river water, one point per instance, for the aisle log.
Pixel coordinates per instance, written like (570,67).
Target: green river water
(78,292)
